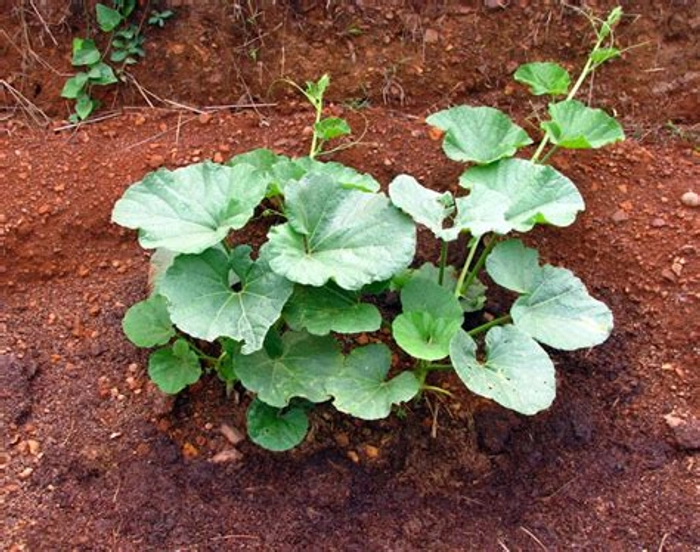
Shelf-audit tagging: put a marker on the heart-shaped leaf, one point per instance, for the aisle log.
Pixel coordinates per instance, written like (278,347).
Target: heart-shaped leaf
(102,74)
(74,86)
(361,389)
(276,429)
(147,323)
(190,209)
(513,266)
(517,372)
(203,304)
(559,312)
(331,127)
(174,368)
(107,18)
(544,78)
(301,370)
(345,176)
(325,309)
(352,237)
(576,126)
(528,193)
(85,52)
(425,206)
(478,134)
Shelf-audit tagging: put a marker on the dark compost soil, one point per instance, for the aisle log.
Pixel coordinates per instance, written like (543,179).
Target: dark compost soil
(92,457)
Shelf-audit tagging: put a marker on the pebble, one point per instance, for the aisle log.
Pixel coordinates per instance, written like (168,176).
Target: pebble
(431,36)
(685,431)
(25,473)
(658,223)
(227,456)
(619,216)
(233,435)
(204,118)
(690,199)
(156,160)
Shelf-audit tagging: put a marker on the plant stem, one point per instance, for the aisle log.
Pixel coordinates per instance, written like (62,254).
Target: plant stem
(443,261)
(479,264)
(465,268)
(495,322)
(435,389)
(201,354)
(549,154)
(314,137)
(540,148)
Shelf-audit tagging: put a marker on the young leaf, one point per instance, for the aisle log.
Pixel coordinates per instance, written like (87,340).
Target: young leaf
(361,389)
(530,194)
(321,310)
(425,206)
(342,175)
(478,134)
(302,369)
(84,52)
(147,323)
(517,372)
(203,305)
(190,209)
(75,86)
(276,429)
(174,368)
(544,78)
(107,18)
(601,55)
(574,125)
(428,296)
(331,127)
(352,237)
(84,106)
(102,74)
(513,266)
(559,312)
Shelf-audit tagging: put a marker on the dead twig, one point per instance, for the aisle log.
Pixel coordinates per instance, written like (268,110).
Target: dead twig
(32,110)
(533,537)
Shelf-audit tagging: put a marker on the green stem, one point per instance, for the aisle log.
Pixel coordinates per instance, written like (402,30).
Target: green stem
(315,147)
(549,154)
(201,354)
(435,389)
(540,148)
(479,263)
(495,322)
(443,261)
(465,268)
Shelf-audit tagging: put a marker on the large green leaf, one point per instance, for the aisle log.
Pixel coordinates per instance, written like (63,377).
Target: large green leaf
(325,309)
(513,266)
(174,368)
(203,304)
(576,126)
(300,370)
(425,206)
(529,193)
(352,237)
(559,312)
(478,134)
(147,323)
(544,78)
(190,209)
(274,428)
(517,373)
(432,315)
(361,388)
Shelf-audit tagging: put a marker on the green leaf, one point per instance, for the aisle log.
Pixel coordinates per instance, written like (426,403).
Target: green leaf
(513,266)
(473,298)
(576,126)
(340,174)
(601,55)
(75,86)
(276,429)
(84,106)
(431,317)
(423,336)
(174,368)
(361,388)
(478,134)
(190,209)
(321,310)
(102,74)
(425,206)
(544,78)
(147,323)
(302,369)
(525,192)
(107,18)
(559,312)
(607,26)
(84,52)
(352,237)
(331,127)
(203,305)
(517,372)
(316,90)
(160,262)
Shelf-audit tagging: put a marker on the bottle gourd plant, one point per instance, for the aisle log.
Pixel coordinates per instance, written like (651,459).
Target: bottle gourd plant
(273,320)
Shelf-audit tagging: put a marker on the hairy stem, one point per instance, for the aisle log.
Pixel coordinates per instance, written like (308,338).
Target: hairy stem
(479,263)
(495,322)
(465,268)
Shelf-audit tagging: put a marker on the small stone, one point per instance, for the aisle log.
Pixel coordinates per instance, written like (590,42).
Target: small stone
(690,199)
(44,209)
(342,440)
(658,223)
(227,456)
(189,451)
(218,157)
(620,216)
(33,447)
(353,456)
(685,431)
(233,435)
(177,49)
(307,131)
(156,160)
(26,473)
(371,451)
(431,36)
(666,274)
(140,120)
(204,118)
